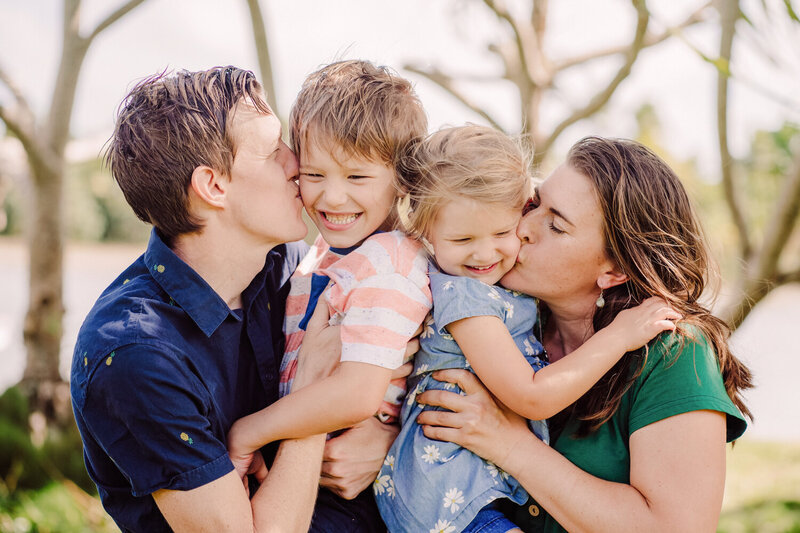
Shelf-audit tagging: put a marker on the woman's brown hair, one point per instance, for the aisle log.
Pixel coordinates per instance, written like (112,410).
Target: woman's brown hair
(654,236)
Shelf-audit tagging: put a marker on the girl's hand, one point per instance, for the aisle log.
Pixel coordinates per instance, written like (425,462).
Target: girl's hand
(637,326)
(476,421)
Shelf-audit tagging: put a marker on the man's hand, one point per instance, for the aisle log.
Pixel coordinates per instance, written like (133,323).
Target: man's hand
(352,460)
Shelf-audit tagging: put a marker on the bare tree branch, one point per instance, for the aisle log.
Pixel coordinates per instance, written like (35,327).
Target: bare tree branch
(782,224)
(23,129)
(763,276)
(16,92)
(262,51)
(446,82)
(651,39)
(729,13)
(521,40)
(115,16)
(604,95)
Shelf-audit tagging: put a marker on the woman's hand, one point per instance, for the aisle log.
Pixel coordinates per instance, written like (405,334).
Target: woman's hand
(477,421)
(635,327)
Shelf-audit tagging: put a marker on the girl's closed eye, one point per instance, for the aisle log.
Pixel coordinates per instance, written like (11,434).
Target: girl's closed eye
(357,177)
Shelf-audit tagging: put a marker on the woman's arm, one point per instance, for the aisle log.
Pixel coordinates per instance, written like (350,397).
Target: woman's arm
(677,472)
(492,353)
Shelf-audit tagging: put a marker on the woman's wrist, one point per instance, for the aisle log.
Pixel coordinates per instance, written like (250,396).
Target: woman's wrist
(517,456)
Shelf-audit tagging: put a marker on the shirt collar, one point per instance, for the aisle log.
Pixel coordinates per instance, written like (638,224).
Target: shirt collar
(185,286)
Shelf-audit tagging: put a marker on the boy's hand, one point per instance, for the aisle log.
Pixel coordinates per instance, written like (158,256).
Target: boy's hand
(321,348)
(635,327)
(248,463)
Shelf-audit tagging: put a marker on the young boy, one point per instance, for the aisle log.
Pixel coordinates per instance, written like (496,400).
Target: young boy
(350,122)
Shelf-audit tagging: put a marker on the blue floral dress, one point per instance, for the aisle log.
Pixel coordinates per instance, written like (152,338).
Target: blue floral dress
(429,485)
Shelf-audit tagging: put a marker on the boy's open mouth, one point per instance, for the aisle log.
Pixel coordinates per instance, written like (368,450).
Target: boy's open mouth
(340,220)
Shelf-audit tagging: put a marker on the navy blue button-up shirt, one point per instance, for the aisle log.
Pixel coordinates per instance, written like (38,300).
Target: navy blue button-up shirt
(161,370)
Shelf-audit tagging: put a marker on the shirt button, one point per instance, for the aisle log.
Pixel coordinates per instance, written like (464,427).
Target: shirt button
(533,510)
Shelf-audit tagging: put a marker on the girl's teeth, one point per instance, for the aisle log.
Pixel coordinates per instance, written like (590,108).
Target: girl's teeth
(340,219)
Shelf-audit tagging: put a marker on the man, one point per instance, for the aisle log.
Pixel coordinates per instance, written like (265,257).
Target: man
(188,338)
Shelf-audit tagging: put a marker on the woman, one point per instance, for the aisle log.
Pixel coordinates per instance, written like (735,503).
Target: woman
(644,449)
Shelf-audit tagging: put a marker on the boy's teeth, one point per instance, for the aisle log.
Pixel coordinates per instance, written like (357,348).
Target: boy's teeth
(340,219)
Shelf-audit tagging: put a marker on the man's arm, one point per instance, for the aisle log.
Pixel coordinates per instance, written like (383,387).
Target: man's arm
(285,499)
(283,502)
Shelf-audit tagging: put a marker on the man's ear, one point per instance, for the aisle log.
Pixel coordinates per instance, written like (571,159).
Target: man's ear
(209,185)
(611,278)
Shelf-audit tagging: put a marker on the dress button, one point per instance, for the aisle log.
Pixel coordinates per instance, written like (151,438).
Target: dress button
(533,510)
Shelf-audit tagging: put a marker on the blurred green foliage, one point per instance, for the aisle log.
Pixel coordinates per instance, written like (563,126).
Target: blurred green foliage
(25,464)
(762,491)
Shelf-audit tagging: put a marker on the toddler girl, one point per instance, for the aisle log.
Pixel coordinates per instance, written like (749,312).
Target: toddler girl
(467,188)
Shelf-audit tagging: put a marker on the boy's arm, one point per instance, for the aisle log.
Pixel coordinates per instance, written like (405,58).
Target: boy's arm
(497,361)
(352,393)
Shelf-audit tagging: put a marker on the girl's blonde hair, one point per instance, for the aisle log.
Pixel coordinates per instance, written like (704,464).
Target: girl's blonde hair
(475,162)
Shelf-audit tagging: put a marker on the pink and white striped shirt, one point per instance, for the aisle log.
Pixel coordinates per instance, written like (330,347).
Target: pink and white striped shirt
(379,295)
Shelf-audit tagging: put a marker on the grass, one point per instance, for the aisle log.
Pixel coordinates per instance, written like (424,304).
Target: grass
(762,492)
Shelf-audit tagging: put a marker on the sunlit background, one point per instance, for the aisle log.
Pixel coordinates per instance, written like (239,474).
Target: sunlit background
(453,51)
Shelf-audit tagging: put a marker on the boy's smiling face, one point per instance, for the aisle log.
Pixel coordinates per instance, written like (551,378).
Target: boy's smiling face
(346,196)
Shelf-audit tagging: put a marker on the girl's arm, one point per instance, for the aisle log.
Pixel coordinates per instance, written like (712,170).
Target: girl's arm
(500,365)
(677,474)
(352,393)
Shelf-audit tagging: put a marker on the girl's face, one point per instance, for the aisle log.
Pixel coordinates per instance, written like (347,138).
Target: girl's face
(563,248)
(347,197)
(475,239)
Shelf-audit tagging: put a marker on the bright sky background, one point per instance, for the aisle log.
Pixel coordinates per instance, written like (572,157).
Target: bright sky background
(304,34)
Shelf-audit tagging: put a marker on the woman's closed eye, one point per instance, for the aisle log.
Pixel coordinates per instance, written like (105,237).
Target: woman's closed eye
(554,228)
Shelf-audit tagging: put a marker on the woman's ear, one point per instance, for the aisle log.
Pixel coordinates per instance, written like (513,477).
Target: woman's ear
(209,186)
(611,278)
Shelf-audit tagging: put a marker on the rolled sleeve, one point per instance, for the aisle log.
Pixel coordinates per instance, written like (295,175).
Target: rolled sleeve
(148,412)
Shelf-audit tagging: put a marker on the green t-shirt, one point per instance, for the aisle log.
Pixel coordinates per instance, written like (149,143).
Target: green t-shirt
(668,386)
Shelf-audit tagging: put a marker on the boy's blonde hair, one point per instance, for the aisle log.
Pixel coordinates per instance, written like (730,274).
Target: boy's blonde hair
(475,162)
(366,110)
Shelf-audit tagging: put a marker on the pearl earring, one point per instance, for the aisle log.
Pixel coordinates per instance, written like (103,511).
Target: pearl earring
(600,300)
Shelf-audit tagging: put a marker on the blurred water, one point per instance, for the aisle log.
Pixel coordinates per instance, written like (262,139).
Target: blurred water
(766,341)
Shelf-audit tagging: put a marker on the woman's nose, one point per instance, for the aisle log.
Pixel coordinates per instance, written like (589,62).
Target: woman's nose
(525,228)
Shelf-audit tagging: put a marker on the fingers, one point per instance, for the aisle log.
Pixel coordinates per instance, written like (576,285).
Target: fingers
(319,319)
(441,433)
(440,418)
(403,371)
(466,380)
(411,348)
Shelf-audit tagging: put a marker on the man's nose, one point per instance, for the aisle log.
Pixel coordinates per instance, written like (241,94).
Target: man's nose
(290,165)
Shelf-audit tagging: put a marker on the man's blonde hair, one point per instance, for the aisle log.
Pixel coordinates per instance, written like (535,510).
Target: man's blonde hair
(366,110)
(475,162)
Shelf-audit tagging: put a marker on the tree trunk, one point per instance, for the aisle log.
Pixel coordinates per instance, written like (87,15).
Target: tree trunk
(41,381)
